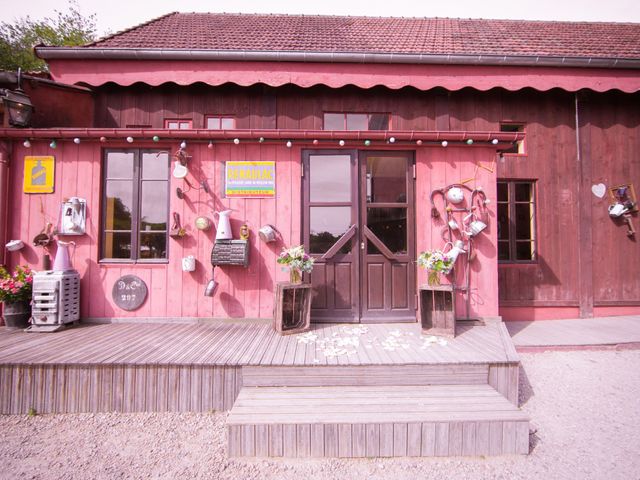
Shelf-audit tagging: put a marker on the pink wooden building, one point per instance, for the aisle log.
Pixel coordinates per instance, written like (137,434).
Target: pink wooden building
(354,112)
(352,136)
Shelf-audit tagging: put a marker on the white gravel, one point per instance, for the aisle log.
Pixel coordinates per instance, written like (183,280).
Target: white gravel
(585,406)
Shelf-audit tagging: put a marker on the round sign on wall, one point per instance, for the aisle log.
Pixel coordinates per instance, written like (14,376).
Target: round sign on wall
(129,292)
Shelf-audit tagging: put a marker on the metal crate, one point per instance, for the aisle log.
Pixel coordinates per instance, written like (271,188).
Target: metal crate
(56,300)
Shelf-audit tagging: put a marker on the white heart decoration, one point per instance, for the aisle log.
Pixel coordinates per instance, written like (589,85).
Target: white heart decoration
(599,190)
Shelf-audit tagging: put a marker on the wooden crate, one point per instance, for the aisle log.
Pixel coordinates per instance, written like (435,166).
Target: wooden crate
(292,308)
(437,310)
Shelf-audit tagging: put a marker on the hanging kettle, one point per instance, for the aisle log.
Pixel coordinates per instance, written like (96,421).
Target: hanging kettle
(223,227)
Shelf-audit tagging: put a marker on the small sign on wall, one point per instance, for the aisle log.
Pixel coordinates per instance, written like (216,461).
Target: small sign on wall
(39,174)
(250,179)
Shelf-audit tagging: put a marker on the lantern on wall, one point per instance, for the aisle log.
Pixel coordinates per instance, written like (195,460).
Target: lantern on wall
(18,105)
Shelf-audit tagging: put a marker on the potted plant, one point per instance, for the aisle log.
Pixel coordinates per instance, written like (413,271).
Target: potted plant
(15,294)
(436,262)
(297,261)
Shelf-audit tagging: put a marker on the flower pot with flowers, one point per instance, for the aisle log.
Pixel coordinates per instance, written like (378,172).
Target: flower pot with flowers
(437,263)
(297,261)
(15,294)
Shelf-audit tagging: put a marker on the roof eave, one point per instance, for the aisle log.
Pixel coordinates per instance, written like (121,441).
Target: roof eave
(83,53)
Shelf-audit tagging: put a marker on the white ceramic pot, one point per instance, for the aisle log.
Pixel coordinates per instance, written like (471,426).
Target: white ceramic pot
(189,264)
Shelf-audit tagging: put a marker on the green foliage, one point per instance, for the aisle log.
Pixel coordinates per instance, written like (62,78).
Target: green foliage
(17,39)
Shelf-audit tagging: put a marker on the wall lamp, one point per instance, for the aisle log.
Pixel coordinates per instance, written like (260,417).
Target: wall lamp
(18,104)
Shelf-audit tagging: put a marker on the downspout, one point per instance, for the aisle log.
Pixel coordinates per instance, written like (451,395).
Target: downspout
(5,161)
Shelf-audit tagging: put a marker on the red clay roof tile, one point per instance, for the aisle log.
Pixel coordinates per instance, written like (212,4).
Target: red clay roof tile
(439,36)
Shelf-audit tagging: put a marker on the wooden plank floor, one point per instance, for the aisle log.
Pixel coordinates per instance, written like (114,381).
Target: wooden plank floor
(237,344)
(368,421)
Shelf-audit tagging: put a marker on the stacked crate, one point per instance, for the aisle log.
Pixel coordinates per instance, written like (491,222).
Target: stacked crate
(56,300)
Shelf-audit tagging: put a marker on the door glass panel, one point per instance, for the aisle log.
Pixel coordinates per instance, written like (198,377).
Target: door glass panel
(327,225)
(386,179)
(390,226)
(330,178)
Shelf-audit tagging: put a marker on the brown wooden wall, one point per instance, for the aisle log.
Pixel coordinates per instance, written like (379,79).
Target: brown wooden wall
(584,258)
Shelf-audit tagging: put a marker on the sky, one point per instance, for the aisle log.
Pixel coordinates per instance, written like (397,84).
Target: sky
(116,15)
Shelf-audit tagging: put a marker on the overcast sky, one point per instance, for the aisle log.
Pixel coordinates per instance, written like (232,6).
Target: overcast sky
(115,15)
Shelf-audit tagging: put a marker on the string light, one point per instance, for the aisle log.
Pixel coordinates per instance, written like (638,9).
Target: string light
(367,143)
(76,141)
(289,144)
(392,140)
(470,141)
(130,139)
(341,143)
(210,146)
(418,142)
(26,143)
(183,144)
(444,143)
(53,144)
(156,138)
(103,139)
(315,142)
(261,140)
(236,141)
(494,141)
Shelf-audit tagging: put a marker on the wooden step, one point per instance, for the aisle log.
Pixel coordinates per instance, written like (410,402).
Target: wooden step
(375,421)
(318,376)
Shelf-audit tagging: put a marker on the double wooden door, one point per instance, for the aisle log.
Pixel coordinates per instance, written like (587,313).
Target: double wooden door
(358,224)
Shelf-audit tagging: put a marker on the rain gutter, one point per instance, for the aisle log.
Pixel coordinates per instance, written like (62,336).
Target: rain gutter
(83,53)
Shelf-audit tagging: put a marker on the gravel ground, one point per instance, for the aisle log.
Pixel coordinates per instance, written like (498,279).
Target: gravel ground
(584,407)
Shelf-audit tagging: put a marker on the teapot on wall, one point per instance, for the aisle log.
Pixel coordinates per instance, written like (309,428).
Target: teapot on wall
(223,227)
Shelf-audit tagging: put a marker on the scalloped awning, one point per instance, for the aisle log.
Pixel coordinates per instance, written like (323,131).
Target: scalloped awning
(335,75)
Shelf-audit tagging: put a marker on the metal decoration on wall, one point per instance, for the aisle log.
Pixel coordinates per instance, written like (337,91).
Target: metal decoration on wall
(230,252)
(129,292)
(73,216)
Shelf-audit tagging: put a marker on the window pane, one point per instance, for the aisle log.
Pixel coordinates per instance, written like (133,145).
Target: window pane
(330,178)
(213,123)
(118,205)
(119,165)
(172,125)
(387,179)
(185,125)
(379,121)
(357,121)
(228,123)
(503,250)
(153,206)
(503,221)
(334,121)
(153,245)
(524,192)
(327,225)
(155,166)
(390,226)
(523,221)
(117,245)
(503,192)
(524,251)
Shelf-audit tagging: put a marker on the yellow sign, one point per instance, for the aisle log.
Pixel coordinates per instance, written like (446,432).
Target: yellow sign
(39,174)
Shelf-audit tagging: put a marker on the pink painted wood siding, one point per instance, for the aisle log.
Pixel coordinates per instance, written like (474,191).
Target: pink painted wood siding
(242,293)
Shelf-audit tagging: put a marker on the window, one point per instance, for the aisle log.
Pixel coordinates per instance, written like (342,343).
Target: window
(135,205)
(518,147)
(356,121)
(216,122)
(176,124)
(516,221)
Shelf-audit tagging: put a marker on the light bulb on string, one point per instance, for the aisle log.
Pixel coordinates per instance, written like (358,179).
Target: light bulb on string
(494,141)
(210,145)
(26,143)
(53,144)
(183,144)
(470,141)
(236,141)
(129,139)
(76,141)
(289,144)
(444,143)
(341,143)
(156,138)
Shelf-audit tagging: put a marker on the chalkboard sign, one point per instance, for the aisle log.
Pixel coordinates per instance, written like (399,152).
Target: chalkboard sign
(129,292)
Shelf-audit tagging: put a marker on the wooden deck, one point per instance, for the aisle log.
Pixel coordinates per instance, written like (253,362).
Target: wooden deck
(203,367)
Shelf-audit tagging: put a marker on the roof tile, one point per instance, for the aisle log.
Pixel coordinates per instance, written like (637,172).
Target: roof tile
(439,36)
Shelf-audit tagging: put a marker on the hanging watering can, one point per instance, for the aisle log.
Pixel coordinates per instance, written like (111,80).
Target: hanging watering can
(62,262)
(223,228)
(456,250)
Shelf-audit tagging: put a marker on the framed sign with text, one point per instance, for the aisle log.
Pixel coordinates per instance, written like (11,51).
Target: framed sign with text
(247,179)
